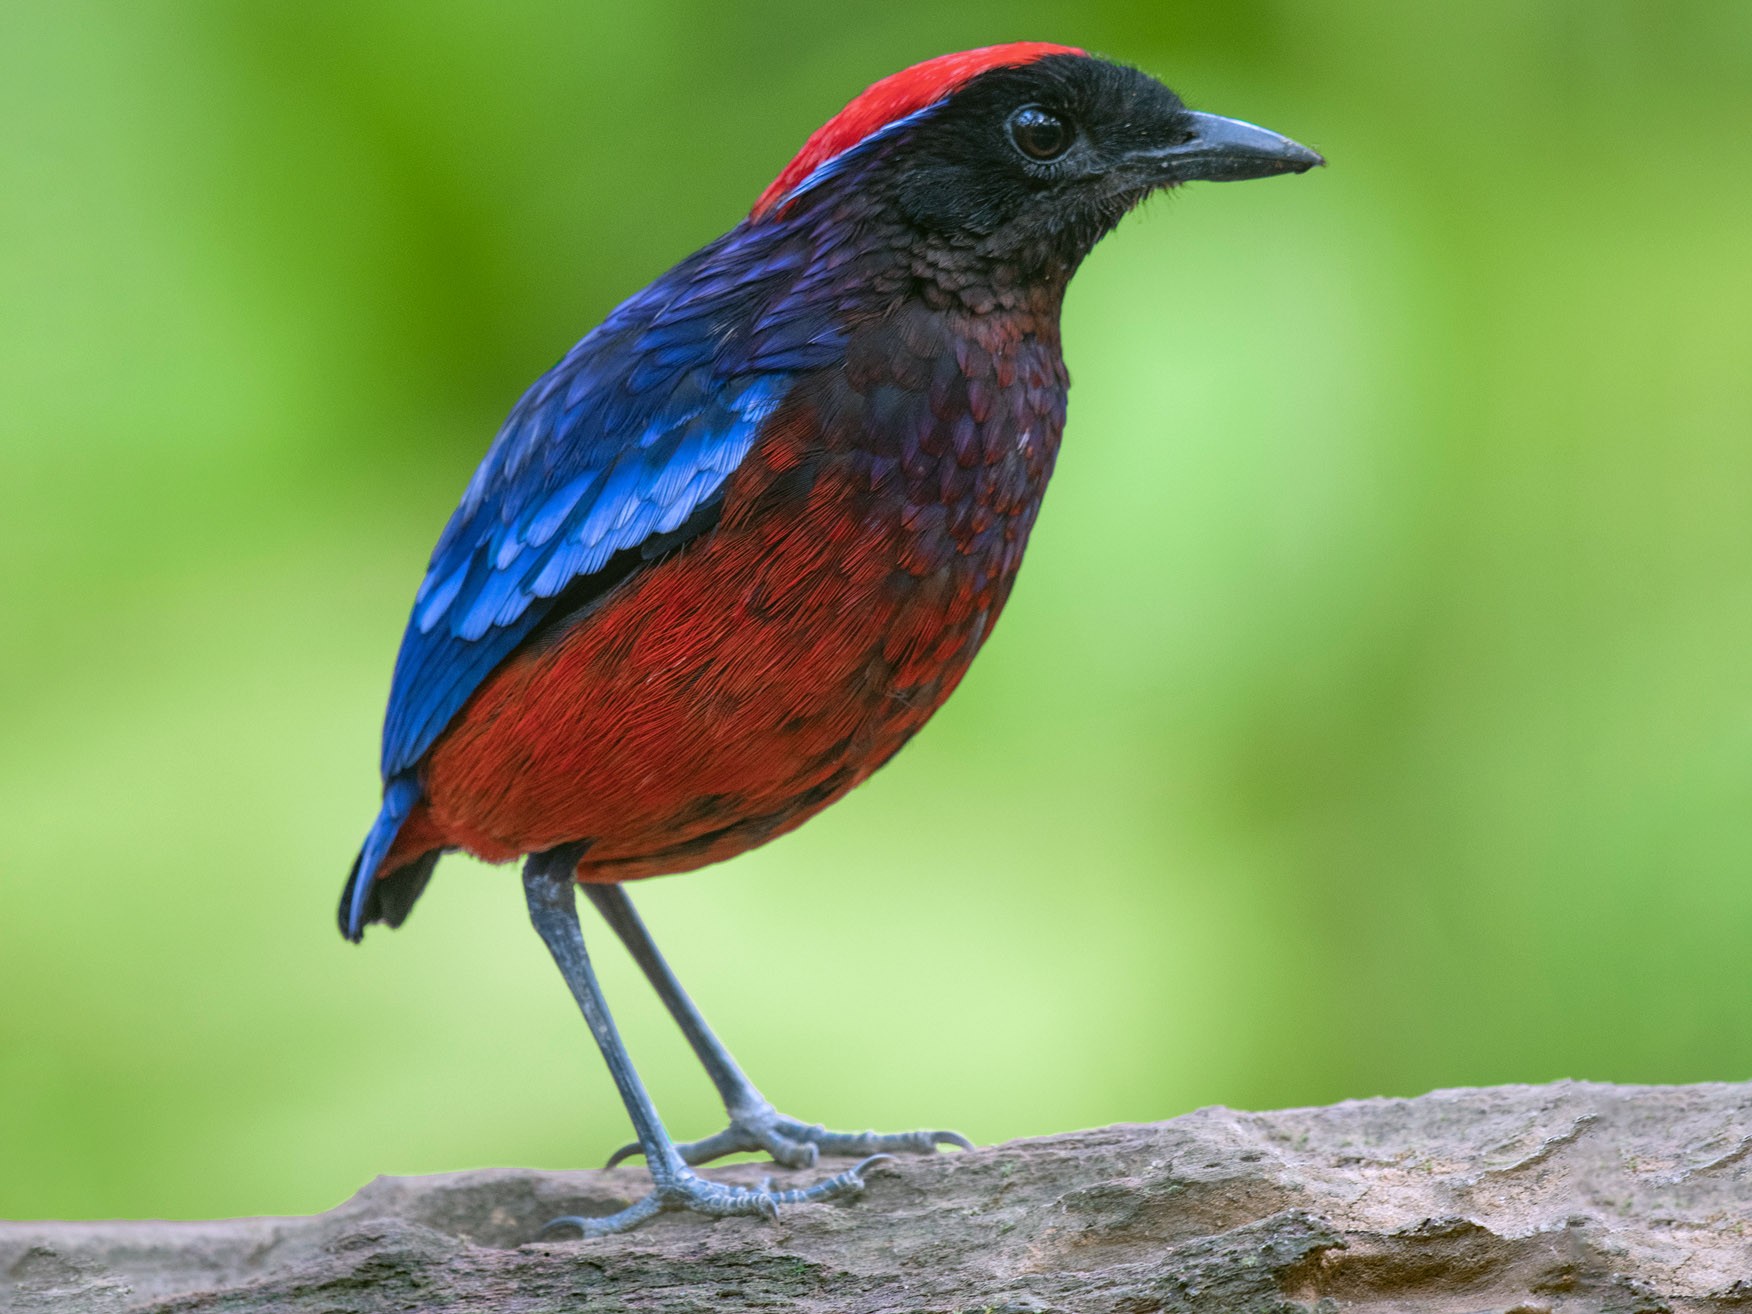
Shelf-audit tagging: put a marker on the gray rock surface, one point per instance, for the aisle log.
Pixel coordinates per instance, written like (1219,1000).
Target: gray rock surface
(1570,1197)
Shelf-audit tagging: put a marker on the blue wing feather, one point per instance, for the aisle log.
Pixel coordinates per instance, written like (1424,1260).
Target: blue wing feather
(620,444)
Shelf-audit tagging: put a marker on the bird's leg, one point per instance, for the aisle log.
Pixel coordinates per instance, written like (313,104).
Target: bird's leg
(754,1124)
(549,886)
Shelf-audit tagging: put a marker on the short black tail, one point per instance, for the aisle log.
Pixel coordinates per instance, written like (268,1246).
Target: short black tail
(390,898)
(360,901)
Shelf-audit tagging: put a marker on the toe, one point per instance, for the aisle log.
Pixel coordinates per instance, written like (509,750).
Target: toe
(689,1192)
(850,1182)
(848,1144)
(630,1217)
(733,1139)
(788,1153)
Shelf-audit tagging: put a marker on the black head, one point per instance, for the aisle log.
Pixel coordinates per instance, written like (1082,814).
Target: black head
(1039,159)
(1060,149)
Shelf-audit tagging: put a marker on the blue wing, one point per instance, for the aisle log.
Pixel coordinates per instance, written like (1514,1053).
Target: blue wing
(618,452)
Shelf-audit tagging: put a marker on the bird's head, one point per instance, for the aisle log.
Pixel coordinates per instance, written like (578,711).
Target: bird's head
(1024,152)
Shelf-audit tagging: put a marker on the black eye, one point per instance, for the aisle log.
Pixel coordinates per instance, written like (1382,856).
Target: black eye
(1040,134)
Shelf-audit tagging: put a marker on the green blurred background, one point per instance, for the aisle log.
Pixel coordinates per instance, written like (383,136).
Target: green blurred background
(1373,713)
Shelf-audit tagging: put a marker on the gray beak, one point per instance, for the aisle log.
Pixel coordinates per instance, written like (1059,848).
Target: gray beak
(1227,150)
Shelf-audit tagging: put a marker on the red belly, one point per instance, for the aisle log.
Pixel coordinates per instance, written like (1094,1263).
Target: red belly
(716,699)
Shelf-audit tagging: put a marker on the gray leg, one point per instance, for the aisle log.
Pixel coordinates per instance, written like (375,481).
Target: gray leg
(754,1124)
(548,885)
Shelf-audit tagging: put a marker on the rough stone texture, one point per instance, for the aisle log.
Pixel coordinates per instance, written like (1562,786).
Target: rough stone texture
(1558,1198)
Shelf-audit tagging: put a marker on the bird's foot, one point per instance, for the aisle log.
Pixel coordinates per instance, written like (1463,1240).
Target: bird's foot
(794,1144)
(683,1189)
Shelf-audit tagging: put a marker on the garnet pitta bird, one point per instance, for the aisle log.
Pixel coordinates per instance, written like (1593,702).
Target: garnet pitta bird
(731,553)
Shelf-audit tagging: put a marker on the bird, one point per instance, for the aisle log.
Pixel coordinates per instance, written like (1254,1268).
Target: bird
(734,549)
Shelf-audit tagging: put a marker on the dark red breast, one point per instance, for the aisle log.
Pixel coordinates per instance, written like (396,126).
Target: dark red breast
(727,693)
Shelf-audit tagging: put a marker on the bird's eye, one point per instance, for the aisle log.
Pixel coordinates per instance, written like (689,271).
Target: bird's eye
(1040,134)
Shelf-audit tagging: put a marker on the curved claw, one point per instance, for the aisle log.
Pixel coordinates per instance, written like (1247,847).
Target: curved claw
(621,1155)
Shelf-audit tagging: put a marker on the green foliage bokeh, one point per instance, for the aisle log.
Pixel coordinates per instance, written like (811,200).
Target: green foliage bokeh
(1373,713)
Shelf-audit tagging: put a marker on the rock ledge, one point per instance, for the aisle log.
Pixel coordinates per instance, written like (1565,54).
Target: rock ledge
(1570,1197)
